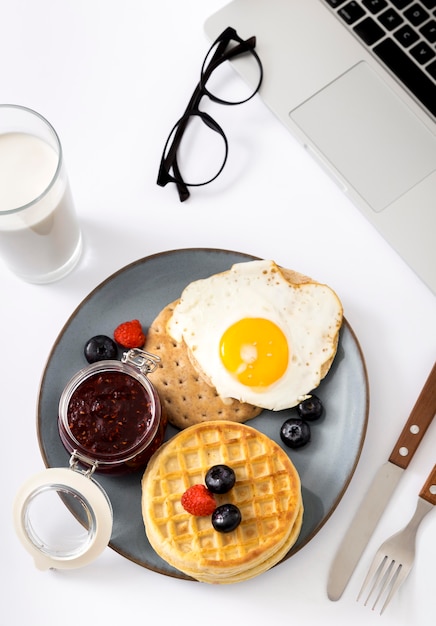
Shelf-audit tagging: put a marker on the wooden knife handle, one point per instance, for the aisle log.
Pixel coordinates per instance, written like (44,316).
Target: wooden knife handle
(428,492)
(416,426)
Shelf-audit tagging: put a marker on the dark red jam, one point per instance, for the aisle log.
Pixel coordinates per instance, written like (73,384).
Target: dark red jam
(111,418)
(109,413)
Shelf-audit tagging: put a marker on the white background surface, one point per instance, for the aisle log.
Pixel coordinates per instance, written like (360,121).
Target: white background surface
(113,77)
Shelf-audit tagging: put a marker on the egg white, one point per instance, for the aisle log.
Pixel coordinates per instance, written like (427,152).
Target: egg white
(309,315)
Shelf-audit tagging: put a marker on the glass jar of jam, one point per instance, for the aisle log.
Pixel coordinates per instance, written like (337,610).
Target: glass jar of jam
(110,420)
(110,414)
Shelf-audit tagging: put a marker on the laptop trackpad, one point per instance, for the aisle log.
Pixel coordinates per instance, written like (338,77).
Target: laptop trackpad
(373,140)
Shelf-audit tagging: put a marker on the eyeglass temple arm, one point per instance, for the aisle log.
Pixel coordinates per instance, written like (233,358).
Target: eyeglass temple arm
(230,34)
(221,54)
(182,189)
(163,178)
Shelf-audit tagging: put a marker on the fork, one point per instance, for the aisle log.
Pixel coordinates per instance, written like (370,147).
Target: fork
(394,559)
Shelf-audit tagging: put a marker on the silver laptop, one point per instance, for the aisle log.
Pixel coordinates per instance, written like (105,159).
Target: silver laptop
(355,82)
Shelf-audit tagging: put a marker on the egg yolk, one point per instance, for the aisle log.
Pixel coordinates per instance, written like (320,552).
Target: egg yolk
(255,351)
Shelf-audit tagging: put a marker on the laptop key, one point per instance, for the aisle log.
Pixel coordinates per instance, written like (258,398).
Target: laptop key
(406,36)
(431,69)
(390,19)
(400,4)
(422,53)
(416,15)
(374,6)
(369,31)
(408,73)
(429,31)
(351,12)
(335,3)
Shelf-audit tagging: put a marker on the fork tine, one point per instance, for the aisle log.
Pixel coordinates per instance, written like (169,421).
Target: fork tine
(391,572)
(384,577)
(402,573)
(375,571)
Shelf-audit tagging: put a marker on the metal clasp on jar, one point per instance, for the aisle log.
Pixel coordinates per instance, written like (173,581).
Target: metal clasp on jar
(76,458)
(144,361)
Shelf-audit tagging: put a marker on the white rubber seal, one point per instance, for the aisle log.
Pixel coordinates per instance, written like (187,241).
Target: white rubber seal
(95,507)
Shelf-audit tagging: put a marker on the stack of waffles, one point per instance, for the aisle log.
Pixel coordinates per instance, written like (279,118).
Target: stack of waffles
(267,491)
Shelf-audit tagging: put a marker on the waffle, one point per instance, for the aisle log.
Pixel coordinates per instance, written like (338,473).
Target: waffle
(267,492)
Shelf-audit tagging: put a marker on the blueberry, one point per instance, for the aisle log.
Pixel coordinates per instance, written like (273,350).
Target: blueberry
(100,348)
(310,409)
(295,433)
(220,479)
(226,518)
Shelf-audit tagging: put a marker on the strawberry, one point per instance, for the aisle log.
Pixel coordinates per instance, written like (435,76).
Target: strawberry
(198,500)
(130,334)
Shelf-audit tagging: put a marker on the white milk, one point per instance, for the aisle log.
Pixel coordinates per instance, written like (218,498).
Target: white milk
(41,241)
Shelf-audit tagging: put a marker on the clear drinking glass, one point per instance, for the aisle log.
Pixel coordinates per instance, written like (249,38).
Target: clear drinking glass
(40,237)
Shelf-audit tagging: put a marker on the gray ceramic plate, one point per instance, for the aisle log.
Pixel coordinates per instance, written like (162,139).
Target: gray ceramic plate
(140,291)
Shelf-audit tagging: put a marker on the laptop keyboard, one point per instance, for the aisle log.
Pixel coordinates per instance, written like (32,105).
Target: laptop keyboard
(402,34)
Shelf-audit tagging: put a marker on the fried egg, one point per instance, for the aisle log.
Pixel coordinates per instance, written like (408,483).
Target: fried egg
(255,336)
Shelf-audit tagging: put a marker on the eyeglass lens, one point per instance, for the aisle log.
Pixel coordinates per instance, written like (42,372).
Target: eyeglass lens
(201,152)
(225,83)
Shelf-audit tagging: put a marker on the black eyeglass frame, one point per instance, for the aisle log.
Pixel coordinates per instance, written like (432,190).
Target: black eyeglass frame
(221,54)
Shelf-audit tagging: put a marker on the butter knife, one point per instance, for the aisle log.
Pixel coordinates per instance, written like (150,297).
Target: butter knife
(381,489)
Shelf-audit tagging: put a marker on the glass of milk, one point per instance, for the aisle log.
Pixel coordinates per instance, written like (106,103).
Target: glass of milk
(40,238)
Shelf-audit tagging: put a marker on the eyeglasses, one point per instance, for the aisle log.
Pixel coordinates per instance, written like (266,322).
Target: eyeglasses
(228,46)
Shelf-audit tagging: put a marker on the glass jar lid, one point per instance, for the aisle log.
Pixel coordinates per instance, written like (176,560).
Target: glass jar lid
(79,525)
